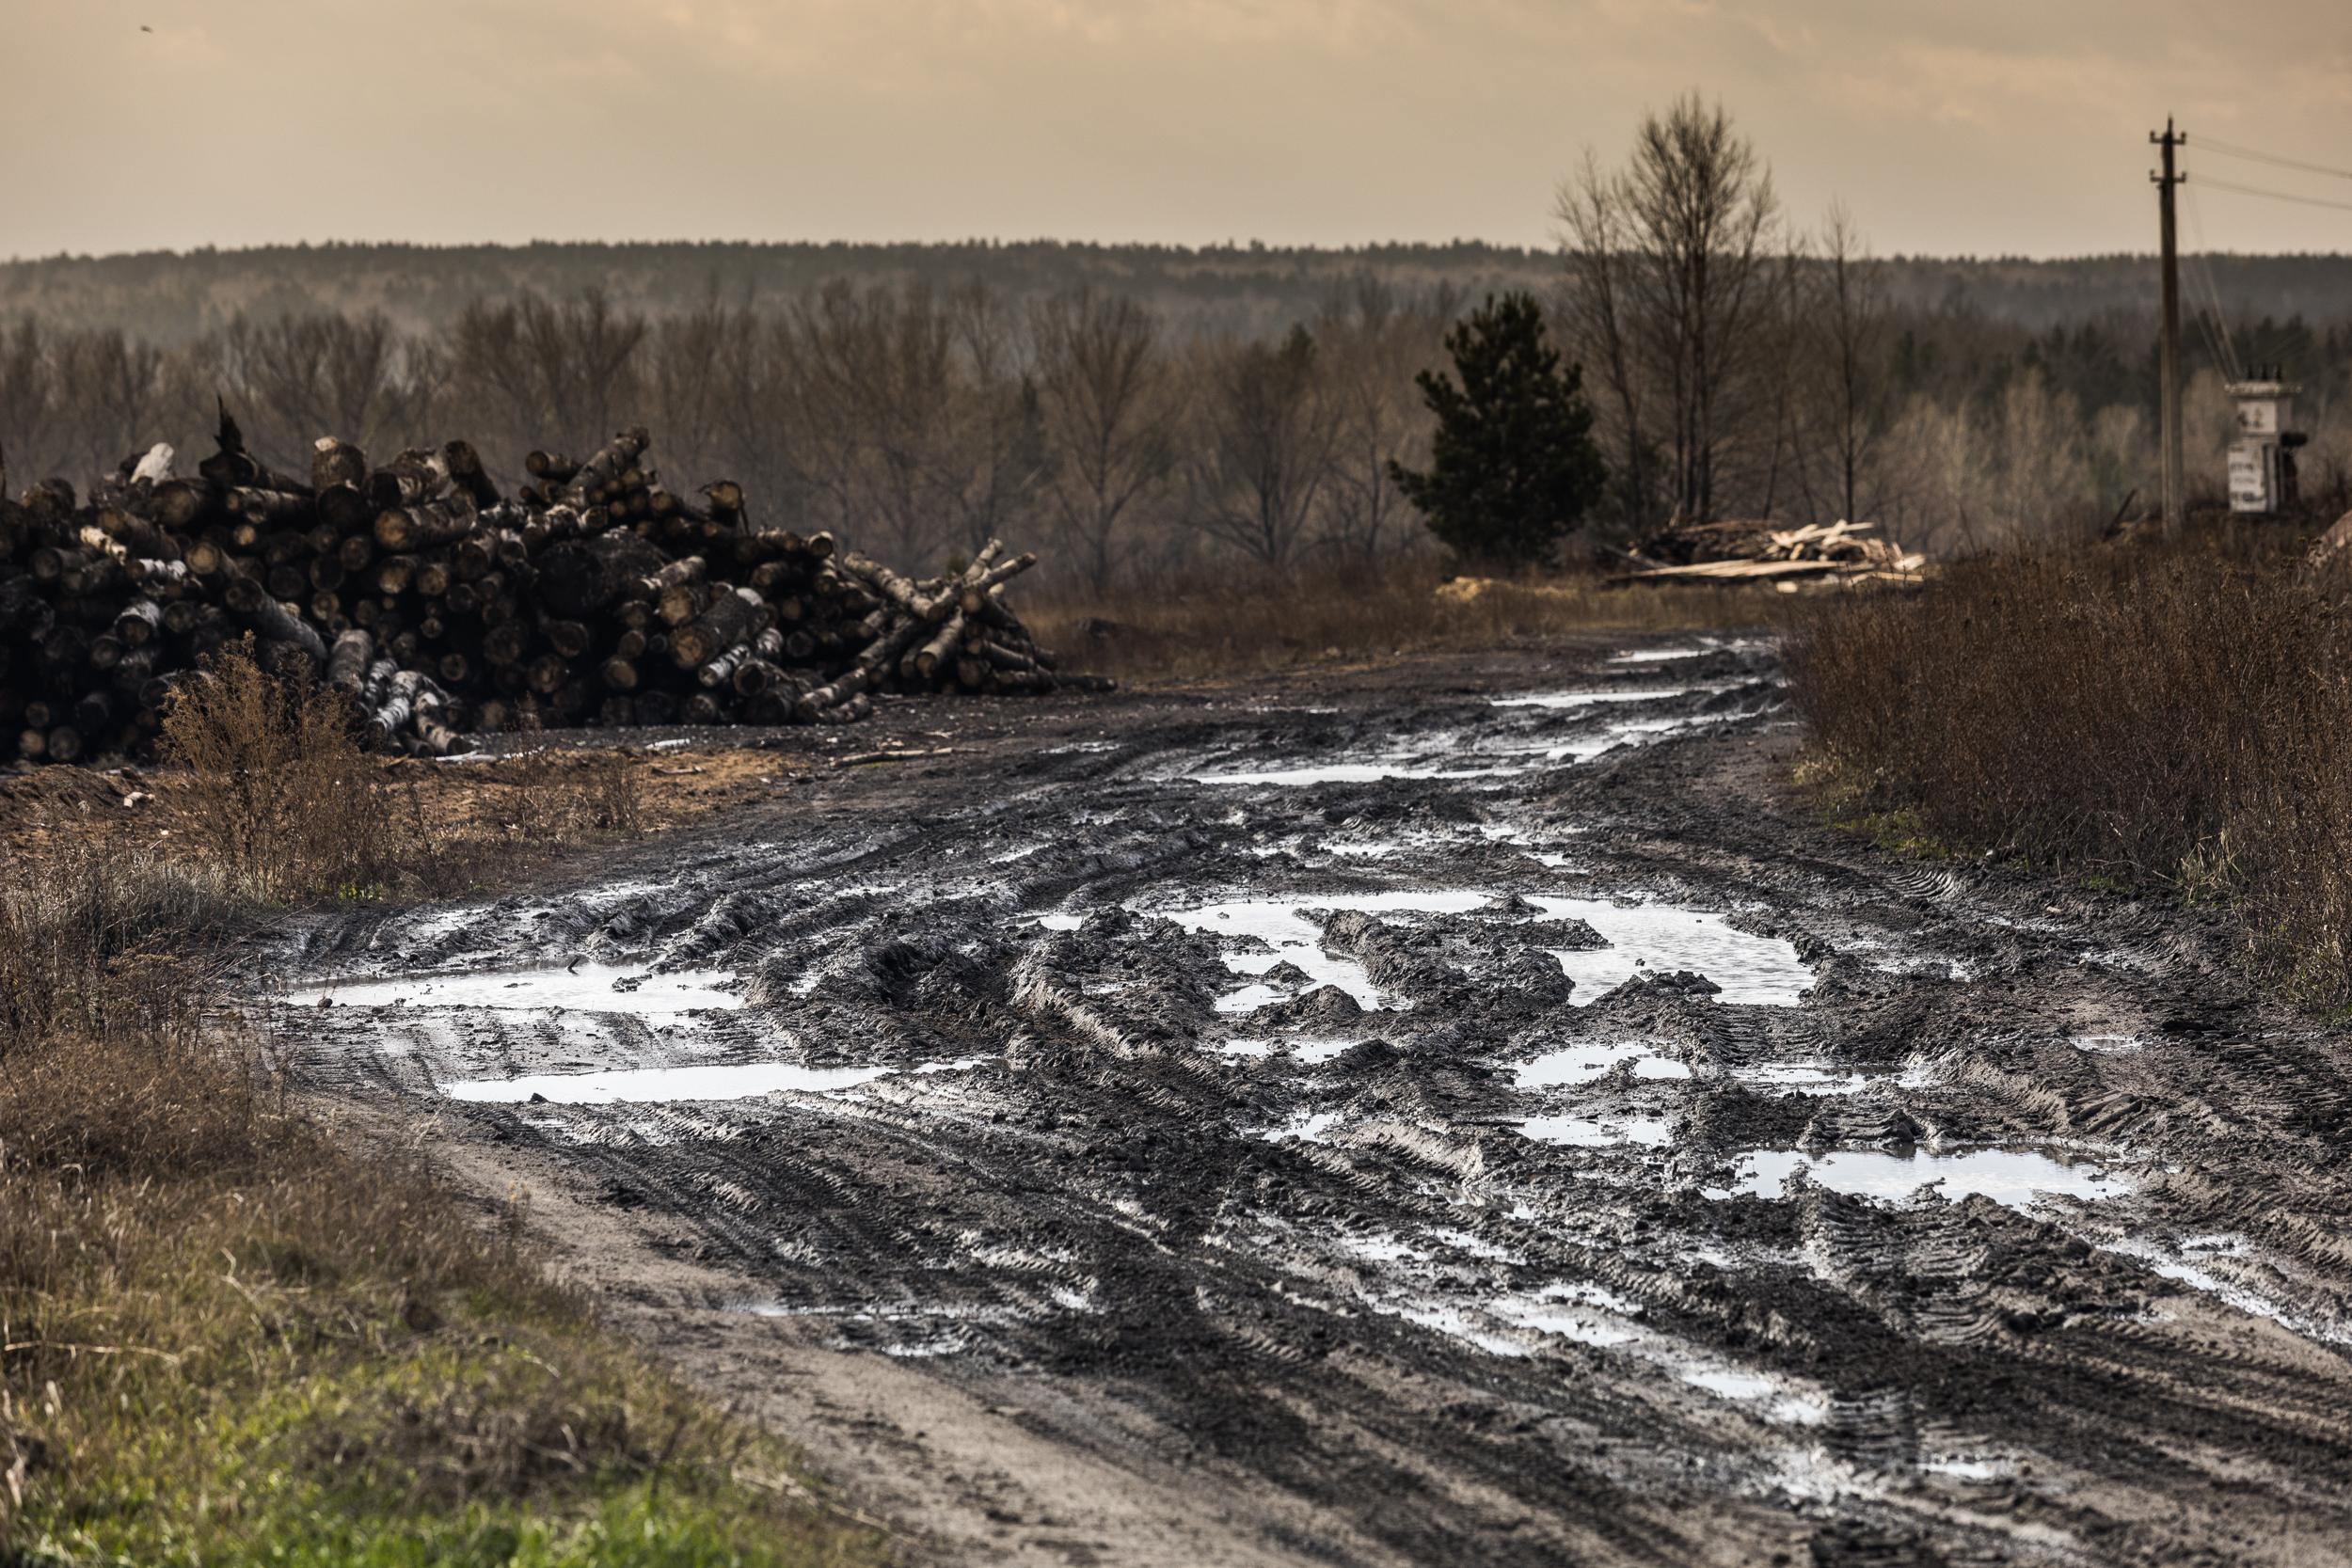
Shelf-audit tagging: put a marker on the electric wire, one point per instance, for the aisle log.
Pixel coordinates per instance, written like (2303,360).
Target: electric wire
(2211,318)
(2211,183)
(2230,150)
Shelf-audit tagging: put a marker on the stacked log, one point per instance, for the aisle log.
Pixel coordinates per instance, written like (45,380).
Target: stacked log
(597,596)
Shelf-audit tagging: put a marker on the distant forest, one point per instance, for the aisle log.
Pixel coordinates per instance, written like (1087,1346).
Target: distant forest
(1155,409)
(167,297)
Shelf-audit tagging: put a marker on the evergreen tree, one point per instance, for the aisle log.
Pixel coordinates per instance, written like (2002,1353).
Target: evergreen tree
(1513,466)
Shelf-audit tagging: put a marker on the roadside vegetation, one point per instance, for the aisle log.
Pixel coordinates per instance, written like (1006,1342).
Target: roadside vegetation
(2169,716)
(230,1331)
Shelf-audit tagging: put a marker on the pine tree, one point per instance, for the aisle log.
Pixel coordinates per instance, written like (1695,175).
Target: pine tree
(1513,466)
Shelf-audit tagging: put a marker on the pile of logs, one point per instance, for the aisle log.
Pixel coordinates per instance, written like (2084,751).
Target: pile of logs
(1747,549)
(593,596)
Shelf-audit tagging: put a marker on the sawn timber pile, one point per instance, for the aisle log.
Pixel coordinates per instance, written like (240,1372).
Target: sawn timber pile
(1752,549)
(594,597)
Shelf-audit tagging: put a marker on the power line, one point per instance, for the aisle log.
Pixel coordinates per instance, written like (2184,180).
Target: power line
(2210,319)
(2230,150)
(2211,183)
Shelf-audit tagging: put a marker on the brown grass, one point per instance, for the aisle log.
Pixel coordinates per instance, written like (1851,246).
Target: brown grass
(2174,716)
(1220,625)
(285,808)
(257,774)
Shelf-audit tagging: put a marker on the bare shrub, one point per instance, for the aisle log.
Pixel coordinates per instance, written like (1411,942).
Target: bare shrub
(2171,716)
(285,799)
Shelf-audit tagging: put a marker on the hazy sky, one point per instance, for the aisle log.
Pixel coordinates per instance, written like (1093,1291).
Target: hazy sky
(1949,126)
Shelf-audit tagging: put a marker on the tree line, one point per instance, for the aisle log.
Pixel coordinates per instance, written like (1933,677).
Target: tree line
(1720,359)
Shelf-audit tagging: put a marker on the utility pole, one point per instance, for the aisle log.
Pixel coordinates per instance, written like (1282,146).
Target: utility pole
(2174,484)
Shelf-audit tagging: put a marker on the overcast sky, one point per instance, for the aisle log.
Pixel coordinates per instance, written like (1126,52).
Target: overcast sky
(1949,126)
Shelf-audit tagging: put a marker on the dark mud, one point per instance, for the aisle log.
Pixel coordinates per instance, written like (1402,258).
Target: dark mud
(1354,1122)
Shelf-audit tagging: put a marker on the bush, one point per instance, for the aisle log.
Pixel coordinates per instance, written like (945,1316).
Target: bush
(2172,715)
(285,799)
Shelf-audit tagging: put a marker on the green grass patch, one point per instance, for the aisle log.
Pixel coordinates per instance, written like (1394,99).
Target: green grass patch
(233,1334)
(310,1358)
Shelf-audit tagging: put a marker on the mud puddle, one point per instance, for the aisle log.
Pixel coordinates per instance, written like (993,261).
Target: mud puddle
(1465,1115)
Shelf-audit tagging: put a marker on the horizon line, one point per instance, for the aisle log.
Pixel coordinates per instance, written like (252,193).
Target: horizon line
(1241,247)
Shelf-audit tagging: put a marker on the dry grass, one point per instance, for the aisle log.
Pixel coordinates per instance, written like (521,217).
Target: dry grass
(268,786)
(285,807)
(239,812)
(2175,715)
(229,1334)
(1219,625)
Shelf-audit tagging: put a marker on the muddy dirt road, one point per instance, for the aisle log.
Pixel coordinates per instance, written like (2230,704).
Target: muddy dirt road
(1463,1113)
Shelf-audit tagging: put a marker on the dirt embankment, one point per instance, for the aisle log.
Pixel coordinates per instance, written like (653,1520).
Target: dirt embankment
(1463,1112)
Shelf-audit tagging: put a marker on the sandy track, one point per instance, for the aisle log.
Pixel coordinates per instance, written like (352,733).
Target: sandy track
(1165,1131)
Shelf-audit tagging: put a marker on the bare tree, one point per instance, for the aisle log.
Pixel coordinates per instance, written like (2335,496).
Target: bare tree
(994,459)
(1102,385)
(297,377)
(110,396)
(1264,451)
(1596,313)
(540,370)
(1845,318)
(1371,341)
(686,391)
(28,408)
(1672,264)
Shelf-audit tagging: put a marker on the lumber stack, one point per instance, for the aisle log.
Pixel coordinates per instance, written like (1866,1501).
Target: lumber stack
(596,596)
(1743,549)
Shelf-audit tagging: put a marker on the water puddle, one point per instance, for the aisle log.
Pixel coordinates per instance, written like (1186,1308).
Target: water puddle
(1342,773)
(1469,759)
(645,1085)
(1581,1064)
(2012,1178)
(666,1085)
(1572,699)
(1782,1404)
(1608,1133)
(1656,939)
(1280,933)
(587,987)
(2186,1267)
(1306,1127)
(1798,1078)
(1688,650)
(1514,1324)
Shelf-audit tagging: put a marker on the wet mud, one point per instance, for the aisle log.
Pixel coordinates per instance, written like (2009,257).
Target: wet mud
(1469,1112)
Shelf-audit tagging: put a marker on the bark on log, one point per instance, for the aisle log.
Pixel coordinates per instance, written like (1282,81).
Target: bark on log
(417,527)
(579,577)
(335,463)
(731,618)
(607,465)
(974,595)
(252,605)
(942,646)
(412,479)
(140,623)
(348,661)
